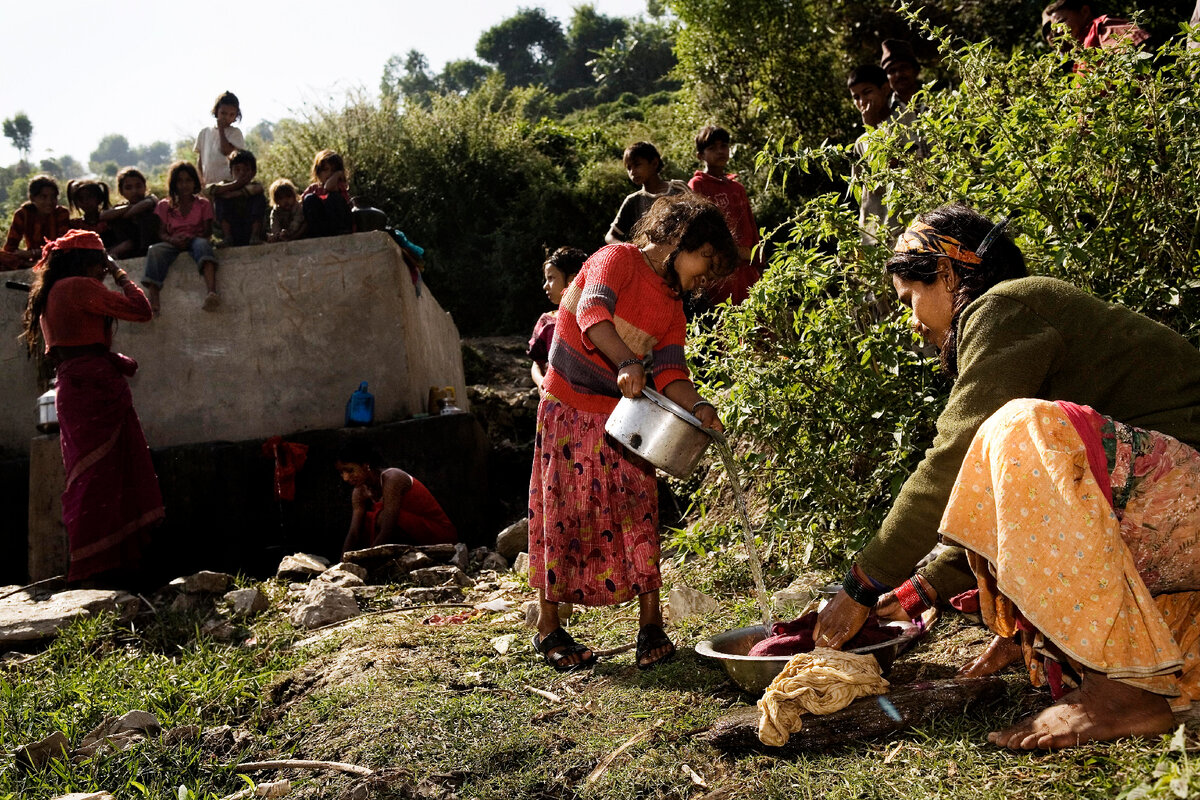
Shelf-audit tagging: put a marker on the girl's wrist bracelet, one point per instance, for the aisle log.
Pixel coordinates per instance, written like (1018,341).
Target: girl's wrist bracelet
(702,403)
(629,362)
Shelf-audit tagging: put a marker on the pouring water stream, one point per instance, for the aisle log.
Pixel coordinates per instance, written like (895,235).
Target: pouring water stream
(760,586)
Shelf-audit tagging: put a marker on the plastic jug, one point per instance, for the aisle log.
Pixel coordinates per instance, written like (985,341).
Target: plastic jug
(360,408)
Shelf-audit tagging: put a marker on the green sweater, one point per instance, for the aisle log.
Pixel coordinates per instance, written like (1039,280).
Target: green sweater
(1035,337)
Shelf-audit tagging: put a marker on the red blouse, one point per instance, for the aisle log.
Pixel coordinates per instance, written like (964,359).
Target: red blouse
(80,311)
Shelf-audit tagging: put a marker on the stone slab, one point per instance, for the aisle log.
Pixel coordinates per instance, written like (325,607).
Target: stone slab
(25,620)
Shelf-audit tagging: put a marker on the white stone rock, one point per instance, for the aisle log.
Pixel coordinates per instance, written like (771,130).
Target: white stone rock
(461,557)
(353,569)
(203,581)
(341,577)
(441,576)
(513,539)
(686,602)
(324,604)
(26,620)
(301,566)
(494,562)
(501,643)
(247,602)
(521,564)
(36,755)
(531,611)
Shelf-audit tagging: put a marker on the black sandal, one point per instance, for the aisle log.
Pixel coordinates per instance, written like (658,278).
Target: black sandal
(652,637)
(557,639)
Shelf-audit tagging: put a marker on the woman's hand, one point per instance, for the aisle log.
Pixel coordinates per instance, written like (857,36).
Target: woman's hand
(631,379)
(707,415)
(839,621)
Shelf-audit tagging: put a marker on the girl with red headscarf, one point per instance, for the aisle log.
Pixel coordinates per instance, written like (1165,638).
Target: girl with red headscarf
(111,499)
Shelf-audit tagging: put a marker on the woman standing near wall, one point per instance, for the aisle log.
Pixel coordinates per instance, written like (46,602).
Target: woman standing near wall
(111,499)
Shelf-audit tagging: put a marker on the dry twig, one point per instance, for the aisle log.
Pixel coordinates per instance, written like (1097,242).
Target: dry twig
(291,763)
(607,761)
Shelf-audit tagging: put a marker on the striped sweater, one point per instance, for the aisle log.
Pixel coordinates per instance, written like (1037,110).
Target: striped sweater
(615,285)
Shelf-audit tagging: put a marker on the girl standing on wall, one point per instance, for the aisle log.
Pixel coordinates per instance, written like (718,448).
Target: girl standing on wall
(111,500)
(593,510)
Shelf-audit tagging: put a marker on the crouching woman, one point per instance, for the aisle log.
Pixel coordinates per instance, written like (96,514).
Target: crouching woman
(1065,466)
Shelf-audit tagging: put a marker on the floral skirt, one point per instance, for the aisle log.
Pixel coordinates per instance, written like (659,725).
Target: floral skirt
(1082,532)
(593,512)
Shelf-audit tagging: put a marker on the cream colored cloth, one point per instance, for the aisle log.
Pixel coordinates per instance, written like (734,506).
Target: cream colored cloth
(819,682)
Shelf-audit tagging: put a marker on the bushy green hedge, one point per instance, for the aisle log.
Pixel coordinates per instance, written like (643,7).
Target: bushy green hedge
(1099,170)
(484,181)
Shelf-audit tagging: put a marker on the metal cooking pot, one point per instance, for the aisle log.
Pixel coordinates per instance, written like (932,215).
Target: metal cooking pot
(659,431)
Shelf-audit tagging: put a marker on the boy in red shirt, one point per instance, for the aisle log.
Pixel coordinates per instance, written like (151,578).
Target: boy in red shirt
(712,149)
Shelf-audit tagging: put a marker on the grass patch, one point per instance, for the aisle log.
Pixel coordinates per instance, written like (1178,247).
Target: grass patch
(437,710)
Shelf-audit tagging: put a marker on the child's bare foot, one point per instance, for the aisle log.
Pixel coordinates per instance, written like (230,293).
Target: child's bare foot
(999,654)
(152,296)
(211,301)
(1100,710)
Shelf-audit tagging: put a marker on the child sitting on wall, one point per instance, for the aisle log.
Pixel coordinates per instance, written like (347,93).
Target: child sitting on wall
(287,217)
(239,204)
(133,225)
(39,221)
(90,199)
(187,222)
(326,201)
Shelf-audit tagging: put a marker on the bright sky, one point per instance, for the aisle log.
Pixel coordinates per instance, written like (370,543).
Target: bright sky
(151,69)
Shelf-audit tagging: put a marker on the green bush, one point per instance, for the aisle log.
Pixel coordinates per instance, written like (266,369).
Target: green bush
(1100,173)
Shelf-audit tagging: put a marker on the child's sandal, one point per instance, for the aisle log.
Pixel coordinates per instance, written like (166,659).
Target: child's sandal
(566,646)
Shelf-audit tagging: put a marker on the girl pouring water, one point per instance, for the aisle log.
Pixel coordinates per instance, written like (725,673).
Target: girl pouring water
(593,510)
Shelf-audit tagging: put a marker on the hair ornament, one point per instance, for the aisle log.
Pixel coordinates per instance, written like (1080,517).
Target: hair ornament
(922,239)
(992,236)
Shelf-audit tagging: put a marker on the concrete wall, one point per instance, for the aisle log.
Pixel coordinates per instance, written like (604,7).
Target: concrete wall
(300,325)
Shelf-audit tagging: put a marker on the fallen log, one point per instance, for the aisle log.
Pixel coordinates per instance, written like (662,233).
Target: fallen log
(867,718)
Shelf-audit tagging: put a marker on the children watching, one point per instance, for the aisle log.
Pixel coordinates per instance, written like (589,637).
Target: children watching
(39,221)
(239,204)
(870,90)
(287,217)
(326,201)
(187,222)
(90,199)
(214,145)
(559,270)
(644,165)
(712,149)
(133,225)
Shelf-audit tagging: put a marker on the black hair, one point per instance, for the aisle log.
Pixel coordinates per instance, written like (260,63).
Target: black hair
(243,157)
(177,169)
(227,98)
(1072,5)
(567,260)
(687,222)
(99,189)
(39,182)
(867,73)
(128,172)
(643,150)
(710,134)
(1002,261)
(359,450)
(62,264)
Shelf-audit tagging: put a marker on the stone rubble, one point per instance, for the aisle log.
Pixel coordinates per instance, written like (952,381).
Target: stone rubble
(118,734)
(203,582)
(323,604)
(513,539)
(441,576)
(301,566)
(32,619)
(247,602)
(684,602)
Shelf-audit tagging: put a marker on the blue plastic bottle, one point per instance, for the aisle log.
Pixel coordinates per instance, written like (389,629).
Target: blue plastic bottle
(360,408)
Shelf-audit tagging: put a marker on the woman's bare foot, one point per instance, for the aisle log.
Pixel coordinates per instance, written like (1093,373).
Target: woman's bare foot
(1100,710)
(999,654)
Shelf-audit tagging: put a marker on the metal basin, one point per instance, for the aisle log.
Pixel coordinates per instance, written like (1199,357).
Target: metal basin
(755,673)
(660,431)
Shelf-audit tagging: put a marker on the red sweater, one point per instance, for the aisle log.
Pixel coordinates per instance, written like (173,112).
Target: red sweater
(35,229)
(616,285)
(80,310)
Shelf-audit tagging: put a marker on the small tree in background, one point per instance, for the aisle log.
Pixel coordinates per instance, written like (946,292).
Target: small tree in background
(19,130)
